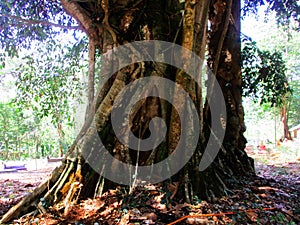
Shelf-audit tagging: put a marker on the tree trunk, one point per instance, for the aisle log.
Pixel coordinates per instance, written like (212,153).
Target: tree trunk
(224,61)
(5,138)
(284,120)
(60,139)
(82,175)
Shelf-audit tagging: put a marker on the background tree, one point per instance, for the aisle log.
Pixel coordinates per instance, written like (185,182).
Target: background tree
(287,12)
(13,129)
(49,84)
(265,80)
(294,103)
(37,82)
(111,23)
(21,23)
(264,77)
(283,40)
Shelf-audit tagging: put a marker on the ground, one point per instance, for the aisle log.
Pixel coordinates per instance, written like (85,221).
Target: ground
(273,197)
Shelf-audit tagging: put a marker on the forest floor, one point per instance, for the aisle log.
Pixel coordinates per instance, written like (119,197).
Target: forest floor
(273,197)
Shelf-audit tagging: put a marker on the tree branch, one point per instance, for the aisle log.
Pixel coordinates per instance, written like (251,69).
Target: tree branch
(39,22)
(79,14)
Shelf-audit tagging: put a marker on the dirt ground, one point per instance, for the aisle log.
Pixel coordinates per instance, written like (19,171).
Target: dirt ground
(29,176)
(15,185)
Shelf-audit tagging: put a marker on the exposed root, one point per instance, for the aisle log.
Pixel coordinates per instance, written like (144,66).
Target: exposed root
(62,181)
(69,201)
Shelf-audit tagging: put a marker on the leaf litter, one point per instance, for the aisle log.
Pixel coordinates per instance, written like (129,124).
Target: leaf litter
(271,197)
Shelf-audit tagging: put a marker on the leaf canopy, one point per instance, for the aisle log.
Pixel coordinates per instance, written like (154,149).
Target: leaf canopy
(264,75)
(24,21)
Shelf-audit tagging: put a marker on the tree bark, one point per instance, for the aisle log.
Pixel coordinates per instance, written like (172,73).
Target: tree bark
(224,60)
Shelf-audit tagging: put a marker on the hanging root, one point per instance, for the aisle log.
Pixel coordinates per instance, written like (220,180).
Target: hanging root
(59,184)
(104,5)
(186,187)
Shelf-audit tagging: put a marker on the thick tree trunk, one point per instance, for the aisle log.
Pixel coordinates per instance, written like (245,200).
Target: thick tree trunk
(224,61)
(129,21)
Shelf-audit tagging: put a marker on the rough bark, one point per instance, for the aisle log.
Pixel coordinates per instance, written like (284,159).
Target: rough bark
(224,60)
(181,77)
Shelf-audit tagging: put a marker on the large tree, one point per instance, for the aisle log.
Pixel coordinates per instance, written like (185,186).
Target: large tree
(112,23)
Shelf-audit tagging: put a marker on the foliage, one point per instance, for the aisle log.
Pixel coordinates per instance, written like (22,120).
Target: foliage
(42,120)
(294,102)
(264,75)
(46,133)
(23,135)
(47,72)
(14,126)
(286,11)
(23,21)
(48,82)
(288,43)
